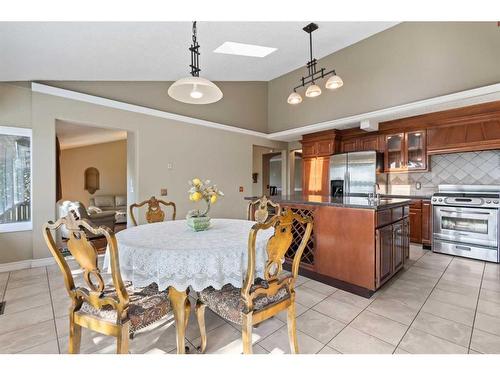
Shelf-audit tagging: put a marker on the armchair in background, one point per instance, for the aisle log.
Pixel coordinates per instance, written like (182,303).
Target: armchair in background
(105,218)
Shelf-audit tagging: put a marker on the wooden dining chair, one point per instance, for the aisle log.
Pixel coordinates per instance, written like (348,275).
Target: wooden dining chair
(258,210)
(116,310)
(260,299)
(154,214)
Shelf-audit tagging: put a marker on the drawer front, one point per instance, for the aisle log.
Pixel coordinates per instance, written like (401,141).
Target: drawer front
(398,213)
(384,217)
(416,203)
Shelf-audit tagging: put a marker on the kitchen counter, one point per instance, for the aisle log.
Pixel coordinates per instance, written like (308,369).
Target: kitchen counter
(356,245)
(346,201)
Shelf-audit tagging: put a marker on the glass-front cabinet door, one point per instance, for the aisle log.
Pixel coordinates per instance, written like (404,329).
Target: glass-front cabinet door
(416,158)
(394,152)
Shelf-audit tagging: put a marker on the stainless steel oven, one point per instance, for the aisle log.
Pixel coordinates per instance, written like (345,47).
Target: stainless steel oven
(476,226)
(466,221)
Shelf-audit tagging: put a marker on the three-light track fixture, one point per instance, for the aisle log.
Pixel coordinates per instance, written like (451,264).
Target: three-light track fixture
(314,74)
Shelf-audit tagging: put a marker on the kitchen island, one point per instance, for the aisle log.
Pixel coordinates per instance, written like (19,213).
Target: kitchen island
(357,245)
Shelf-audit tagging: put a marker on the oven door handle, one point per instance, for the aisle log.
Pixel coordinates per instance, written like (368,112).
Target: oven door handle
(465,212)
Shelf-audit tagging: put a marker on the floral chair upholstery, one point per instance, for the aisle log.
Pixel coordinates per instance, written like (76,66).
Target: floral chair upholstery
(117,309)
(260,298)
(154,213)
(259,209)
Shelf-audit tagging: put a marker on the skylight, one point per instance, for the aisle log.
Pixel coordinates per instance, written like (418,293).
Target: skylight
(241,49)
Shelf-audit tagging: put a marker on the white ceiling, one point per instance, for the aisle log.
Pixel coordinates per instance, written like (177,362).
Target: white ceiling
(158,51)
(72,135)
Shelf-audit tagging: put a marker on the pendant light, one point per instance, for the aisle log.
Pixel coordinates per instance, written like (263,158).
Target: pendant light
(195,89)
(313,74)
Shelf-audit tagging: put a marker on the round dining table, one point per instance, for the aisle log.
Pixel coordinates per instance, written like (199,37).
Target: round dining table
(176,257)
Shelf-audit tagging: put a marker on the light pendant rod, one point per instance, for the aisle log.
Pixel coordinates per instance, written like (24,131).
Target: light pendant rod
(195,54)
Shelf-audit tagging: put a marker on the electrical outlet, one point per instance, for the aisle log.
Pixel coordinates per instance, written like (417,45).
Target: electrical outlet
(241,189)
(164,192)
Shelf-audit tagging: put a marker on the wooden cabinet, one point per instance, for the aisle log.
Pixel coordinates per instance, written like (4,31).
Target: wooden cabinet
(405,152)
(385,242)
(365,143)
(394,155)
(416,221)
(406,235)
(315,176)
(308,149)
(398,246)
(349,145)
(370,143)
(426,223)
(325,148)
(319,144)
(392,248)
(467,133)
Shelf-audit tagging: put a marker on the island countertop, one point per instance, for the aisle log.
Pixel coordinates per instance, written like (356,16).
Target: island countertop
(346,201)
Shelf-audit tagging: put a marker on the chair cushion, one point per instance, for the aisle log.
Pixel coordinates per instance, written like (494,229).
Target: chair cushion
(228,304)
(147,305)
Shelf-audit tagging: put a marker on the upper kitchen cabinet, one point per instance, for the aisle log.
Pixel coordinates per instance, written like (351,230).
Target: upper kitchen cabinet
(416,156)
(405,152)
(319,144)
(365,143)
(394,157)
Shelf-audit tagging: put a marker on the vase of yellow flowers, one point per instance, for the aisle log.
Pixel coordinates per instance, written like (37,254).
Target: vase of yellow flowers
(201,190)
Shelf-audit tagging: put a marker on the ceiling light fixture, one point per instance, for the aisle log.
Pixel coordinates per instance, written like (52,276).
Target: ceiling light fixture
(242,49)
(313,74)
(195,89)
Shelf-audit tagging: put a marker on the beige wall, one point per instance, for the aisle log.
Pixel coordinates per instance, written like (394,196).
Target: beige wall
(109,158)
(244,103)
(15,110)
(411,61)
(224,157)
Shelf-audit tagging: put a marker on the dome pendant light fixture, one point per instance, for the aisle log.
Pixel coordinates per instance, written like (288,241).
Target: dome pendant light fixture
(314,74)
(195,89)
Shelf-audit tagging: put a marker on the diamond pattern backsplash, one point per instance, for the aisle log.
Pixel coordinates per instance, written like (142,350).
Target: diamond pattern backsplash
(467,168)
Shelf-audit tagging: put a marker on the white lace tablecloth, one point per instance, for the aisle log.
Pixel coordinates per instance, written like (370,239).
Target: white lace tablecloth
(171,254)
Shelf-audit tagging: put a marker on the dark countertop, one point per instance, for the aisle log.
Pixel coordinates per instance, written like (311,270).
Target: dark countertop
(350,202)
(413,196)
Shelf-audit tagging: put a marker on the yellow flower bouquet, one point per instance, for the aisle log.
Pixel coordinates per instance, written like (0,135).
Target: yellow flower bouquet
(201,190)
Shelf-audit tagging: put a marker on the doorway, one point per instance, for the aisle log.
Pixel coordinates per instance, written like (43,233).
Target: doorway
(91,173)
(272,165)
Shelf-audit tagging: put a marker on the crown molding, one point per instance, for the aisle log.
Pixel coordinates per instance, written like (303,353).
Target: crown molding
(439,103)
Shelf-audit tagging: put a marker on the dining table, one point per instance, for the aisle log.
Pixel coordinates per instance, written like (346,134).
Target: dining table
(176,257)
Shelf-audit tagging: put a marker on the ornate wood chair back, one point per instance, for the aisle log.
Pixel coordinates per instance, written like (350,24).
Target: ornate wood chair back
(85,254)
(154,214)
(258,210)
(277,247)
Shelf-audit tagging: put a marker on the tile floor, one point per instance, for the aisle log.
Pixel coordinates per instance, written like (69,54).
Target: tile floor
(437,304)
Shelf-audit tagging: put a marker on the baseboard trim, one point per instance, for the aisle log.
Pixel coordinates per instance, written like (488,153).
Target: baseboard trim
(28,263)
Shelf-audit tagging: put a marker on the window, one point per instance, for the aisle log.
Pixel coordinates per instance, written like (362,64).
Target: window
(15,179)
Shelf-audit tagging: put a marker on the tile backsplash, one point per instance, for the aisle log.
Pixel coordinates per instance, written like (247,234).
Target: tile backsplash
(466,168)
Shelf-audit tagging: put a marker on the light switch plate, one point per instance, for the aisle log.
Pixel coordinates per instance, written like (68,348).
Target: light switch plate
(169,166)
(164,192)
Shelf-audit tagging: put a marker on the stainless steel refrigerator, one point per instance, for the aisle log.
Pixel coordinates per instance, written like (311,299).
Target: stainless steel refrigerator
(354,172)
